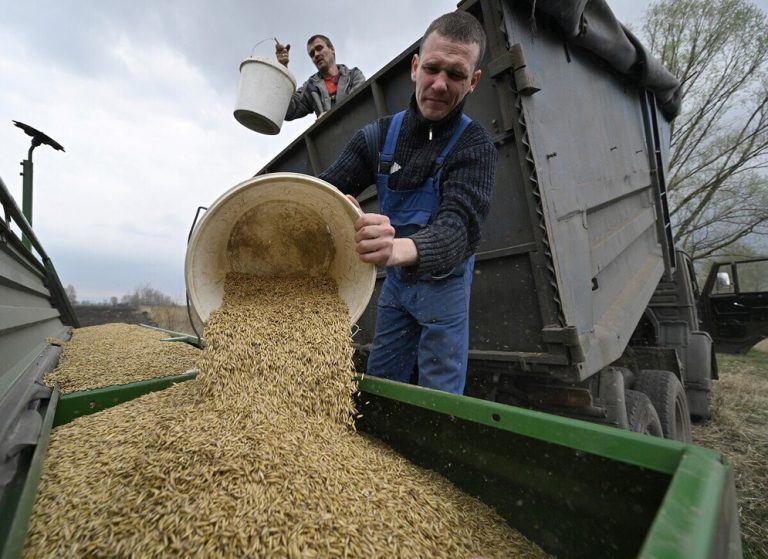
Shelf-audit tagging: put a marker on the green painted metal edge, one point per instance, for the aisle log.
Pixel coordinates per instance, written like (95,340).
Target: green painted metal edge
(615,444)
(187,339)
(609,442)
(86,402)
(17,533)
(686,523)
(632,448)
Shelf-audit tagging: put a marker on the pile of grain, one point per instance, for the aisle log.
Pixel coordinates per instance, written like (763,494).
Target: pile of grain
(258,457)
(108,354)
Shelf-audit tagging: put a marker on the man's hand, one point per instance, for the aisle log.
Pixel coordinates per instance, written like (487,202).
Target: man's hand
(281,51)
(376,242)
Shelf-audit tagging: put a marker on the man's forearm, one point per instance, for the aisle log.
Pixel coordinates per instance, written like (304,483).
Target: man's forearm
(376,243)
(404,253)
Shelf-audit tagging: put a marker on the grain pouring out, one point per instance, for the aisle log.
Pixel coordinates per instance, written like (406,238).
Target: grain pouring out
(256,457)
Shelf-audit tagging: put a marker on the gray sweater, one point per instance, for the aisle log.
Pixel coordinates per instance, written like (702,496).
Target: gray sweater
(313,94)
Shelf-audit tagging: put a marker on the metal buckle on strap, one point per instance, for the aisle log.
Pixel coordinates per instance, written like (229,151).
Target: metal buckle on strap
(385,167)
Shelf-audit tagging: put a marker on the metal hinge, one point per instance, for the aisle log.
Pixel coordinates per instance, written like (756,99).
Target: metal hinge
(567,336)
(514,61)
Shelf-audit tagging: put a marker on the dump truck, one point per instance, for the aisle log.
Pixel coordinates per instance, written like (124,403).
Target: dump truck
(581,305)
(585,332)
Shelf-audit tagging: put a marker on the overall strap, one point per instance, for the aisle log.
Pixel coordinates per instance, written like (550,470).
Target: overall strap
(387,155)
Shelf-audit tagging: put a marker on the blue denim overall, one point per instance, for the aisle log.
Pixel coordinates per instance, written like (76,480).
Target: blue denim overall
(422,319)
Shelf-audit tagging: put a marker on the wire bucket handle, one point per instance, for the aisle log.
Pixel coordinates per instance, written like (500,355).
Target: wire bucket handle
(277,43)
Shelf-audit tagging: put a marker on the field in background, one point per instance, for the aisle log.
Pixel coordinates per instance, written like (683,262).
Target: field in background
(93,315)
(168,317)
(173,318)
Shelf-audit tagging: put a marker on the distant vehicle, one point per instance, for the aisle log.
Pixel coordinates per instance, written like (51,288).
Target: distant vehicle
(733,304)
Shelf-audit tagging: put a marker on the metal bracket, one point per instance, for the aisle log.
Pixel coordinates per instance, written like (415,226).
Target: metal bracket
(494,391)
(514,61)
(567,336)
(501,64)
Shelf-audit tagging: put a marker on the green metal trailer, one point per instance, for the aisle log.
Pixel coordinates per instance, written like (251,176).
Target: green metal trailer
(575,488)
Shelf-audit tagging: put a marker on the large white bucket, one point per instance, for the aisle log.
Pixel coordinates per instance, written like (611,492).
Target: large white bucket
(278,224)
(263,95)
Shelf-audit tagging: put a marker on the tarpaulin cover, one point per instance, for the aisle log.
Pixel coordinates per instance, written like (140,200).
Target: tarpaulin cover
(591,24)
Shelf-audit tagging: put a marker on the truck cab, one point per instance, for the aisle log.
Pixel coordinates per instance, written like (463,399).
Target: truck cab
(734,304)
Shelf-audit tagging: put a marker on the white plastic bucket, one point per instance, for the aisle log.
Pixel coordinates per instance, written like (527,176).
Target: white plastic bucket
(263,95)
(278,224)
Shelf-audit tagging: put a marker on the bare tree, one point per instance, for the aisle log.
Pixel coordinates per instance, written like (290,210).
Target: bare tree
(717,186)
(71,294)
(147,295)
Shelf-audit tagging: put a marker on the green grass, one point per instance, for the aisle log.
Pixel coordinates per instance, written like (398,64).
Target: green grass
(739,430)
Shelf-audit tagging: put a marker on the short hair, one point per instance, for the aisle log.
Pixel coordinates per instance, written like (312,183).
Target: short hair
(323,38)
(461,27)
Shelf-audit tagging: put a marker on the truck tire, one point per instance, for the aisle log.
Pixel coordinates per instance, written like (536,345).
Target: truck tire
(641,414)
(668,397)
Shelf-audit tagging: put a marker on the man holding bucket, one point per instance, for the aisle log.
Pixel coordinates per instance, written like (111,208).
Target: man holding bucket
(434,169)
(332,83)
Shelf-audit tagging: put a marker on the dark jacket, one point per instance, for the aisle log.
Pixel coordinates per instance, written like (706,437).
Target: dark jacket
(313,95)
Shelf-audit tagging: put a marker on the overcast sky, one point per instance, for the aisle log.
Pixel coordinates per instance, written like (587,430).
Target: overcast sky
(141,94)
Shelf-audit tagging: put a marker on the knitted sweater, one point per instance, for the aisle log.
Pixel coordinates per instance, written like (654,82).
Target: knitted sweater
(465,188)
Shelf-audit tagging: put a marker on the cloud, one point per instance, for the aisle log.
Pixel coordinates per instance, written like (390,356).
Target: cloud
(141,96)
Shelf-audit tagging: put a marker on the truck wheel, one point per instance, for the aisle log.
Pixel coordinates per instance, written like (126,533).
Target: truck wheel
(641,415)
(669,399)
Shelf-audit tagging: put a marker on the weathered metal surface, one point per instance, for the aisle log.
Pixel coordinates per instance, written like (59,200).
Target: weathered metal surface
(33,308)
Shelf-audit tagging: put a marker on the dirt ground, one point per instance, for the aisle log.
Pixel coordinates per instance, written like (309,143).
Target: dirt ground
(94,315)
(739,430)
(173,318)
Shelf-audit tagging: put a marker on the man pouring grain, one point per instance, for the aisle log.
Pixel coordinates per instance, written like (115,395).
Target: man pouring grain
(434,169)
